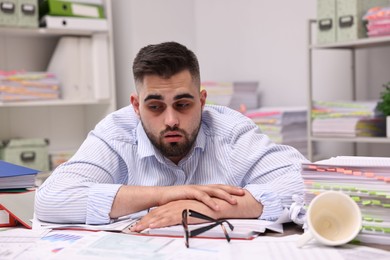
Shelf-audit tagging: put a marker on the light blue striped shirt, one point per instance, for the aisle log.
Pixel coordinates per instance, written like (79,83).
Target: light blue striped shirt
(229,149)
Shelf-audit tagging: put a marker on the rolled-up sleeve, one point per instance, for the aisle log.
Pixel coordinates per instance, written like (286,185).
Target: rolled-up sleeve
(100,199)
(83,189)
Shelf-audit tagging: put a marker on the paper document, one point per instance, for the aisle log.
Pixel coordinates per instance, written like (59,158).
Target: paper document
(15,241)
(52,243)
(104,245)
(118,225)
(243,229)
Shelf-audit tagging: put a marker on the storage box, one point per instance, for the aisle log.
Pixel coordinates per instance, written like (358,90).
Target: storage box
(31,153)
(326,21)
(27,12)
(350,25)
(8,13)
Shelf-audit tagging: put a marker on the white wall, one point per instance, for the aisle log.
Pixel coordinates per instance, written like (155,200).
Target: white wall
(139,23)
(256,40)
(234,40)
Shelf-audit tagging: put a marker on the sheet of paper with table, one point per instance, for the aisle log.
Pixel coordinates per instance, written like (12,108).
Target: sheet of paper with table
(105,245)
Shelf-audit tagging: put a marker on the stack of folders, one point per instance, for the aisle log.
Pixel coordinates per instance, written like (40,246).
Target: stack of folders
(15,198)
(347,119)
(26,86)
(284,125)
(14,176)
(366,180)
(73,15)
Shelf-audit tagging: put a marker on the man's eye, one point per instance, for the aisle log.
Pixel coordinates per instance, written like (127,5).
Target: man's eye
(182,105)
(155,107)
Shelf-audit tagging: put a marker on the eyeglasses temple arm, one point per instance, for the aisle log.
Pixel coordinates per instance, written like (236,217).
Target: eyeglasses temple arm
(201,230)
(195,214)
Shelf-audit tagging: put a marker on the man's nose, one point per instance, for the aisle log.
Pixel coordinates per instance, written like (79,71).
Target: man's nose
(171,117)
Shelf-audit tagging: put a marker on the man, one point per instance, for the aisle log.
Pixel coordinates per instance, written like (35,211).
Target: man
(169,151)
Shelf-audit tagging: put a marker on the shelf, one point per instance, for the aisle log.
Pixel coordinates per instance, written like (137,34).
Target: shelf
(54,103)
(351,46)
(352,139)
(85,100)
(46,32)
(361,43)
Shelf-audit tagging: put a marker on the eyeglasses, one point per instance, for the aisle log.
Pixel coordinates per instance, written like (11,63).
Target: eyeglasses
(191,233)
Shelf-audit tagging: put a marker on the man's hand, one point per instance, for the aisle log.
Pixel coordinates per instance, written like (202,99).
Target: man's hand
(170,214)
(202,193)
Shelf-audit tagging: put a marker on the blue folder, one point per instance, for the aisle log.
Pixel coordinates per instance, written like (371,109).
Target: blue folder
(12,170)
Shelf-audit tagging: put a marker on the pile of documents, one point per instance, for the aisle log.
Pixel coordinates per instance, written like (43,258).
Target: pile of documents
(245,95)
(13,176)
(378,21)
(284,125)
(218,93)
(20,86)
(238,95)
(366,180)
(73,15)
(16,201)
(347,119)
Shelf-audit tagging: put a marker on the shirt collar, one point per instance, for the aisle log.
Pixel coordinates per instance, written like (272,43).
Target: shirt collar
(145,147)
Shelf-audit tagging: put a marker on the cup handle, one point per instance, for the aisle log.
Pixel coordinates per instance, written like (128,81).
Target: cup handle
(304,238)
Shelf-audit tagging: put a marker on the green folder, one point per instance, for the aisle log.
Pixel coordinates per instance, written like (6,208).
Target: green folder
(68,8)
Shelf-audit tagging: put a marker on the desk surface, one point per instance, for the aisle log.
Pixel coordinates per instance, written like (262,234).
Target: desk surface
(112,242)
(292,229)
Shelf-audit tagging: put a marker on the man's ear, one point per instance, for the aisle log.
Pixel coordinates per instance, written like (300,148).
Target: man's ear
(203,96)
(134,100)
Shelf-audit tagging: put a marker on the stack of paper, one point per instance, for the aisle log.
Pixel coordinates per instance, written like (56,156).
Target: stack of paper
(347,119)
(14,176)
(377,21)
(364,179)
(238,95)
(23,86)
(218,93)
(284,125)
(245,95)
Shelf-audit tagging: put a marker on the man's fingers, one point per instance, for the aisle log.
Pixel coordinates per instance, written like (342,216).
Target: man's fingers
(207,200)
(230,189)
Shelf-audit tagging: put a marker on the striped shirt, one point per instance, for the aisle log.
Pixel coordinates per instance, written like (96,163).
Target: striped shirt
(229,149)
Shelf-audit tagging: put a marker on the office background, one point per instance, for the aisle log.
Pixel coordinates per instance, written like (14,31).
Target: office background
(259,40)
(263,41)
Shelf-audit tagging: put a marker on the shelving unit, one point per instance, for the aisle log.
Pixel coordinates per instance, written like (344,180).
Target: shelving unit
(351,46)
(65,122)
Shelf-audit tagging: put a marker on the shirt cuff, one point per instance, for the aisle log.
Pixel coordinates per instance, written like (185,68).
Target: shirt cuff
(272,205)
(100,199)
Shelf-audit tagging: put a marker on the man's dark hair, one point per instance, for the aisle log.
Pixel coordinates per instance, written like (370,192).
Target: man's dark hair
(165,60)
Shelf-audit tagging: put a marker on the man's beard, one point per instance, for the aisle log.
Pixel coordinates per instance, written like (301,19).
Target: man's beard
(173,149)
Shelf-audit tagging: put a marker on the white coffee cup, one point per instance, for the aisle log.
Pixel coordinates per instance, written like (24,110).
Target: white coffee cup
(333,218)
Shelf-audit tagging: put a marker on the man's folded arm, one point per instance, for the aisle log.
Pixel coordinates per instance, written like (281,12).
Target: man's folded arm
(82,190)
